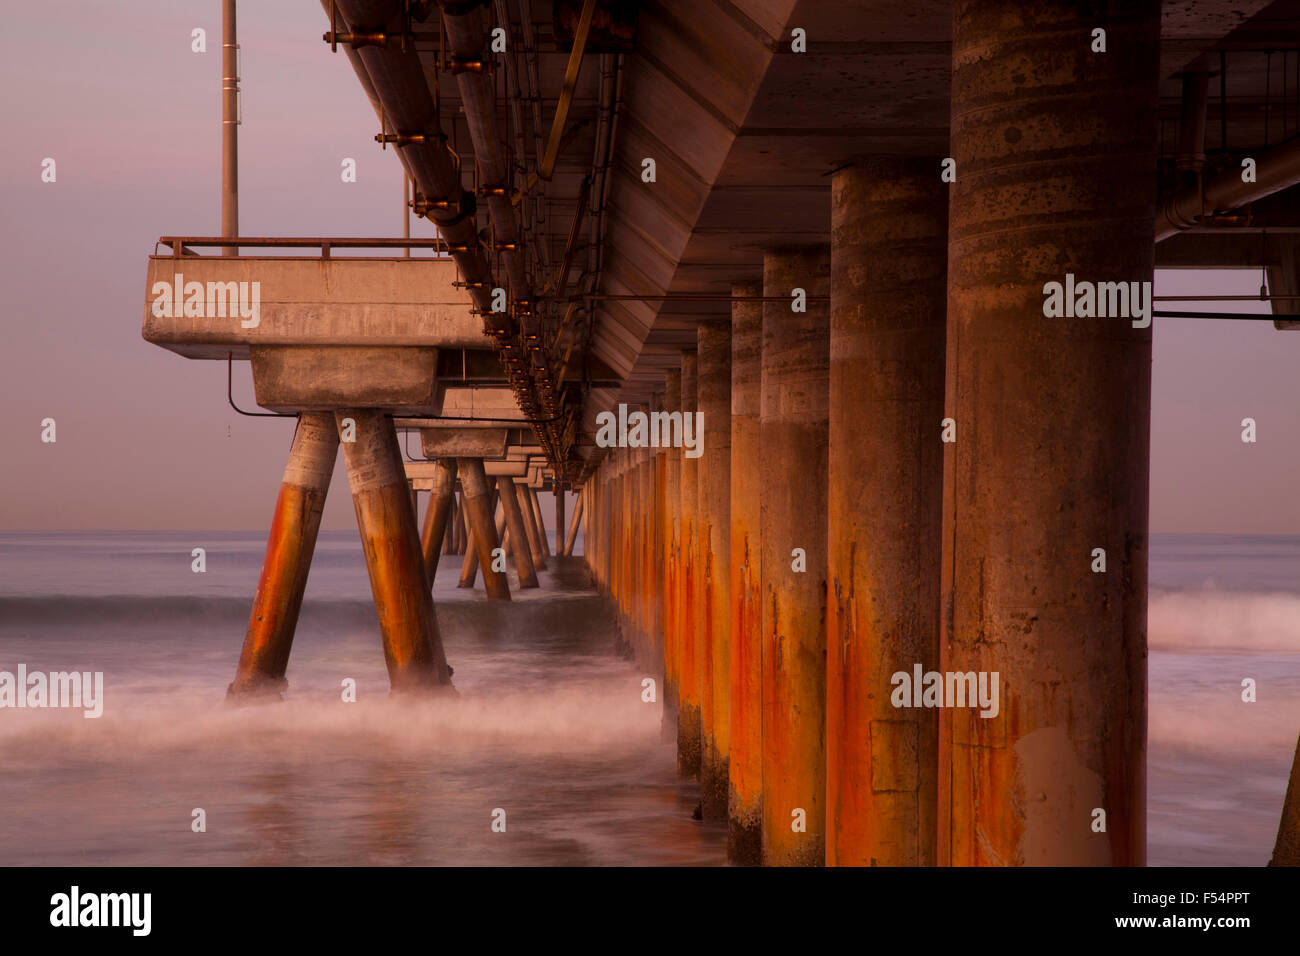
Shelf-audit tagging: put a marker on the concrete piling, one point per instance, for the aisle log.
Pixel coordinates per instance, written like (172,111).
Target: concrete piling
(713,617)
(531,525)
(289,548)
(1056,152)
(479,506)
(793,431)
(672,513)
(412,645)
(518,538)
(434,536)
(889,229)
(745,765)
(541,523)
(688,678)
(575,523)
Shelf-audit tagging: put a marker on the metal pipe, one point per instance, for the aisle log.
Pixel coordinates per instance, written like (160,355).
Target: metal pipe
(289,548)
(466,35)
(1191,127)
(229,127)
(1277,169)
(547,168)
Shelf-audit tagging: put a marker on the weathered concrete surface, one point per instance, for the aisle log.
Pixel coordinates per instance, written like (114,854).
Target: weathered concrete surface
(889,246)
(531,524)
(688,678)
(713,614)
(464,442)
(308,378)
(310,302)
(793,428)
(518,537)
(442,496)
(672,517)
(412,645)
(289,547)
(745,766)
(1055,149)
(479,506)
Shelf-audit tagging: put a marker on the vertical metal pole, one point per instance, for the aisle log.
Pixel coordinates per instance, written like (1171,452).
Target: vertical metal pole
(406,212)
(229,127)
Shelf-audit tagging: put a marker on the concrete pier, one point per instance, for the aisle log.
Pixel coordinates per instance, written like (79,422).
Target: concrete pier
(518,537)
(713,617)
(441,499)
(745,765)
(412,645)
(575,524)
(289,548)
(479,506)
(531,525)
(672,523)
(688,676)
(1056,152)
(793,431)
(889,246)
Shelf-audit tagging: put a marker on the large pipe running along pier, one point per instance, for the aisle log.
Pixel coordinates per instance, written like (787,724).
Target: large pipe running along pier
(762,282)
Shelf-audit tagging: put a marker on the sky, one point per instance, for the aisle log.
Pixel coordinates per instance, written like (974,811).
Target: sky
(145,438)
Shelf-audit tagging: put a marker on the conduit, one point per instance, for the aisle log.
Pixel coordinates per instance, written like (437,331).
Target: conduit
(393,78)
(1277,169)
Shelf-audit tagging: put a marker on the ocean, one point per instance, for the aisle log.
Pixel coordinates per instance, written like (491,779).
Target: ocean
(548,733)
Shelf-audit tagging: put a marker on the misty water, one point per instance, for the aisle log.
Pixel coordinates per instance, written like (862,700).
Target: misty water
(548,723)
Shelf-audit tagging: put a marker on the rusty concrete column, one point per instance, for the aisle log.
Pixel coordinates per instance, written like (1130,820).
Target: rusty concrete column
(1286,848)
(412,645)
(654,489)
(558,490)
(672,562)
(436,515)
(480,507)
(795,396)
(530,525)
(541,523)
(289,547)
(518,537)
(688,677)
(745,769)
(714,614)
(889,248)
(1055,150)
(469,565)
(453,518)
(575,522)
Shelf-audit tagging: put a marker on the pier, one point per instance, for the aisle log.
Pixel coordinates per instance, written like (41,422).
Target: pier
(823,231)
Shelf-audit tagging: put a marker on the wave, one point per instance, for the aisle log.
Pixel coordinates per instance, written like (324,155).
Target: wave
(1224,620)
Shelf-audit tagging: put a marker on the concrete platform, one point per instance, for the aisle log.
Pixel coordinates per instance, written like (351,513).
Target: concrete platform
(321,333)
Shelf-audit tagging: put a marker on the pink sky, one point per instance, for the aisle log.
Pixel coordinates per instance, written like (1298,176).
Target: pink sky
(145,439)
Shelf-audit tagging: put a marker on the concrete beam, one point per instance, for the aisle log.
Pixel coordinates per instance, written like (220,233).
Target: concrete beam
(457,442)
